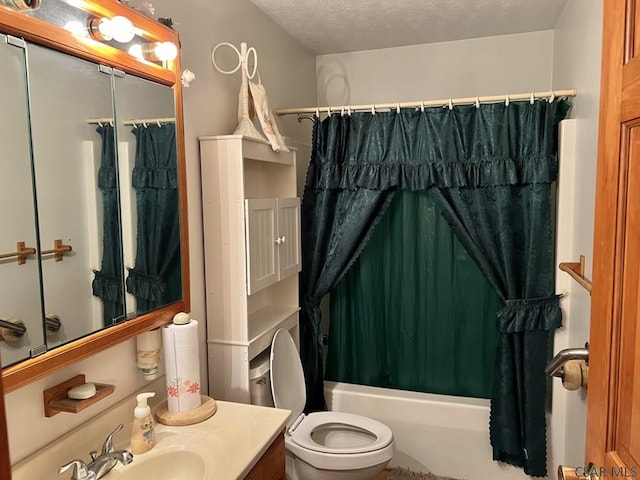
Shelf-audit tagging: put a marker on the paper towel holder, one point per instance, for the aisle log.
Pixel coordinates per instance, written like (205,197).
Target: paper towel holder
(206,409)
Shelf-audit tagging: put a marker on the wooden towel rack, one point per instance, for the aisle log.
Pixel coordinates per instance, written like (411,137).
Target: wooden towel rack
(22,252)
(576,271)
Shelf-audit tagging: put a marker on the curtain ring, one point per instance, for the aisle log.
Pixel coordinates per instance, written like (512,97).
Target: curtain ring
(398,108)
(373,109)
(506,100)
(450,104)
(317,112)
(477,102)
(99,123)
(552,97)
(144,124)
(422,106)
(342,111)
(349,110)
(329,111)
(159,123)
(532,99)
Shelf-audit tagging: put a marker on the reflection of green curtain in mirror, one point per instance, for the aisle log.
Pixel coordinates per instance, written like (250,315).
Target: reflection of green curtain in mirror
(107,283)
(156,278)
(414,312)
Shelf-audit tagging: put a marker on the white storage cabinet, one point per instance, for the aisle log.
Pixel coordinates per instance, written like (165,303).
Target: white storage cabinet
(252,255)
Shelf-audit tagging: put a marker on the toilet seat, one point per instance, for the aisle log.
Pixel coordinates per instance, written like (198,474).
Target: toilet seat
(302,435)
(288,389)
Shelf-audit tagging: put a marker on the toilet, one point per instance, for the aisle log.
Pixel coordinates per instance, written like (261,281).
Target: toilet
(323,445)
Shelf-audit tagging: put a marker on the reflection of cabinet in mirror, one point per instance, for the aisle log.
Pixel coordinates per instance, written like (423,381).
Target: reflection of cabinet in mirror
(251,276)
(92,169)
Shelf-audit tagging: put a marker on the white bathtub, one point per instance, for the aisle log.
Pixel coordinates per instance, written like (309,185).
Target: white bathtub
(440,434)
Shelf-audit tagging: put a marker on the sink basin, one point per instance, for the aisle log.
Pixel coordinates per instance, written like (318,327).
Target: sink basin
(177,456)
(165,466)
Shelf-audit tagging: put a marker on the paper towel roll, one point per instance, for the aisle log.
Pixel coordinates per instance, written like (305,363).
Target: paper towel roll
(182,366)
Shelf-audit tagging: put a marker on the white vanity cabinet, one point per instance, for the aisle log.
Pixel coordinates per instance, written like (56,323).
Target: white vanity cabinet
(252,255)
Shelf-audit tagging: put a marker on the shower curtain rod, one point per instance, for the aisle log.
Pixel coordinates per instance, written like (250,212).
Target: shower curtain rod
(138,121)
(446,102)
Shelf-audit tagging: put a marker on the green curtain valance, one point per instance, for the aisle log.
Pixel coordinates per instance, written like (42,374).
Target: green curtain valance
(160,178)
(530,315)
(157,167)
(415,150)
(107,177)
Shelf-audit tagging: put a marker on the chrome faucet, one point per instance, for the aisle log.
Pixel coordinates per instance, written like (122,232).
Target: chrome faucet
(102,464)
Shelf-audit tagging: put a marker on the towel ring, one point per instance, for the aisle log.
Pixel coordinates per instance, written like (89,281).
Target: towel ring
(242,60)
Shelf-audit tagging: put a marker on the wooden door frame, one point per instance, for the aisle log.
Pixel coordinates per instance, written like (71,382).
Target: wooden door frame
(5,464)
(608,245)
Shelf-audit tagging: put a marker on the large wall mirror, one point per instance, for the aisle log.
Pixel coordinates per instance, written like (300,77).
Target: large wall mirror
(93,248)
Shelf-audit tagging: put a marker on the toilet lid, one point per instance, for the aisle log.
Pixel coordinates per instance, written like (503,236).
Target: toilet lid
(287,377)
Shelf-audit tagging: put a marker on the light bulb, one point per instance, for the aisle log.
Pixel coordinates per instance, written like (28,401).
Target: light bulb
(166,51)
(100,29)
(159,51)
(76,28)
(135,50)
(122,29)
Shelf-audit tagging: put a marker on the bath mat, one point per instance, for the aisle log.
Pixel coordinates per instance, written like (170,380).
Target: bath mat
(400,473)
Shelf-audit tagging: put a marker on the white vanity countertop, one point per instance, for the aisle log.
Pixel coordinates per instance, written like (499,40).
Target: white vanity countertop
(246,430)
(241,434)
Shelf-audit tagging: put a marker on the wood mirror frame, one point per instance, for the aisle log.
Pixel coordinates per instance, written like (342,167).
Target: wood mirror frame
(39,32)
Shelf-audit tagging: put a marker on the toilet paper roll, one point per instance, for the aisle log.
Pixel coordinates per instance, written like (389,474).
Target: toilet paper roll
(182,366)
(148,353)
(572,376)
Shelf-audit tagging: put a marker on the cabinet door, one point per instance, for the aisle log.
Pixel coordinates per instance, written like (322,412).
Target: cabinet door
(261,238)
(20,295)
(289,236)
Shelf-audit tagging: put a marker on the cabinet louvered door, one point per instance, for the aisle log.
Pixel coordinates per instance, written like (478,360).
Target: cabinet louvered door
(289,236)
(261,237)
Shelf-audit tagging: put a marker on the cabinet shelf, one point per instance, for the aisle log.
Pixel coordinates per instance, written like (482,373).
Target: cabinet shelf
(264,323)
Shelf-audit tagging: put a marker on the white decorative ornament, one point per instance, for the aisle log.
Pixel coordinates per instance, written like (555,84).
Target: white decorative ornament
(187,77)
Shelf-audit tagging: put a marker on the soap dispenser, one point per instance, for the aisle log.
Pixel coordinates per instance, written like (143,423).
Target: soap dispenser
(143,436)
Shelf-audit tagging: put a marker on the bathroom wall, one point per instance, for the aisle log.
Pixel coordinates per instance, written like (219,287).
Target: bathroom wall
(210,105)
(482,66)
(576,63)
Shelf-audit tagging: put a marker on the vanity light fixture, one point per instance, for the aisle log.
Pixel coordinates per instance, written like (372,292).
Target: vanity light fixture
(154,51)
(118,28)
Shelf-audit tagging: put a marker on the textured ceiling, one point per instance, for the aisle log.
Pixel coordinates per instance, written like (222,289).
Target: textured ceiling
(333,26)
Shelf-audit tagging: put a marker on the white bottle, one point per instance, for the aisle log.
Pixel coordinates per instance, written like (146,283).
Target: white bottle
(143,437)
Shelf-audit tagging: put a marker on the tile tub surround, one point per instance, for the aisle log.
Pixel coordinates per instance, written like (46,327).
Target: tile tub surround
(246,431)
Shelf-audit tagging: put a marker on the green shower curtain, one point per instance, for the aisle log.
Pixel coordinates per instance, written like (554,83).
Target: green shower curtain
(108,281)
(490,170)
(414,312)
(156,278)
